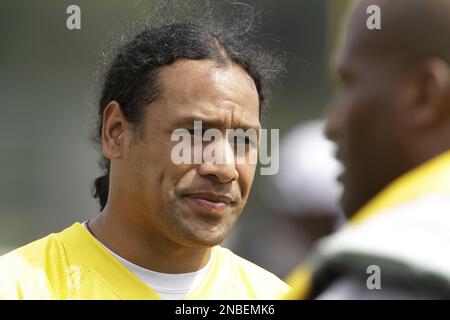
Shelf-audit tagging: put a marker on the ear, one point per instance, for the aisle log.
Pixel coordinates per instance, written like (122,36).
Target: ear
(432,93)
(113,131)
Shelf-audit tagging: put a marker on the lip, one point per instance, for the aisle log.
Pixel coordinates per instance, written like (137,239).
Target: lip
(340,178)
(339,156)
(210,202)
(211,197)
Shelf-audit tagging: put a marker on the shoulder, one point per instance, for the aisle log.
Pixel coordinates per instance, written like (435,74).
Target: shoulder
(265,284)
(36,270)
(405,240)
(24,270)
(32,254)
(349,287)
(41,253)
(426,216)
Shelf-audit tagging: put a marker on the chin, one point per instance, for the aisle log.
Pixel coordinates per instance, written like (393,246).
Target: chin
(348,205)
(352,204)
(199,230)
(202,242)
(200,235)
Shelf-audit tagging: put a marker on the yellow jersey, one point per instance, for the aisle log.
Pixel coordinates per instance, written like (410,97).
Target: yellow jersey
(72,264)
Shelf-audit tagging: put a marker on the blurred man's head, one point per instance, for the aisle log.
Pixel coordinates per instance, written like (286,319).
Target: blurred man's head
(162,80)
(393,110)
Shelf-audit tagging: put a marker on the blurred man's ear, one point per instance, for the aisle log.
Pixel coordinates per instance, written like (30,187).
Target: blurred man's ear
(431,93)
(113,131)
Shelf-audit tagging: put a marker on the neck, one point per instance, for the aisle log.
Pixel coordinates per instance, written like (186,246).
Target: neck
(144,247)
(425,148)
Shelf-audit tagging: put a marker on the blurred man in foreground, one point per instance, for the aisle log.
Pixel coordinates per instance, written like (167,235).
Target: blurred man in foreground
(391,121)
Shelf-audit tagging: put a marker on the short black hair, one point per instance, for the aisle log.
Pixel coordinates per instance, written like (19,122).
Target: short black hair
(131,76)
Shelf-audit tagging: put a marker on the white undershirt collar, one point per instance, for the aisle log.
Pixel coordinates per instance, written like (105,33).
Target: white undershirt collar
(168,286)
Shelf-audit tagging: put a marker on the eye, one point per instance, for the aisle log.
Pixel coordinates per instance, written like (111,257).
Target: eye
(346,80)
(196,132)
(243,139)
(343,77)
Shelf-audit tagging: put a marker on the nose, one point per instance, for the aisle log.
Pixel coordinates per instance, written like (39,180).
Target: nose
(222,173)
(225,171)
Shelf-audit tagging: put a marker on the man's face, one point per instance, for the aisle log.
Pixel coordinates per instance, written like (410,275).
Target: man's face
(194,205)
(365,120)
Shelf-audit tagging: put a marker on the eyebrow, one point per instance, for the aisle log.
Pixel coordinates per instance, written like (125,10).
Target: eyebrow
(210,123)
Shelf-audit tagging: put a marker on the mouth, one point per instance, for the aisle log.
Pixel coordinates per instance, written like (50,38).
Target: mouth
(341,177)
(339,155)
(340,158)
(210,202)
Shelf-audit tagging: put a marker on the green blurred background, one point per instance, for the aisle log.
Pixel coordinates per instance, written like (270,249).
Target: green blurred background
(48,93)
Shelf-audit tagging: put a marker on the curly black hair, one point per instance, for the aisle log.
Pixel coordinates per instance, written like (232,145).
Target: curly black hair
(131,76)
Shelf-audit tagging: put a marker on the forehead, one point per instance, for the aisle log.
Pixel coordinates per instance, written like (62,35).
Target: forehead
(371,64)
(201,88)
(356,45)
(362,53)
(363,46)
